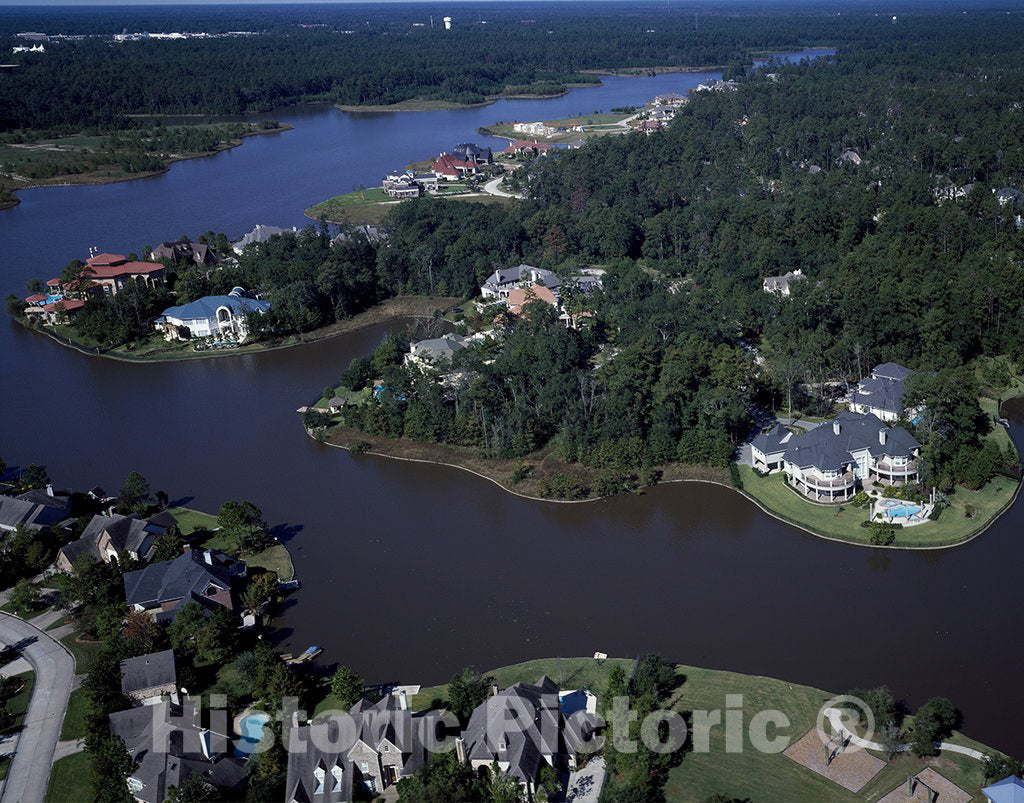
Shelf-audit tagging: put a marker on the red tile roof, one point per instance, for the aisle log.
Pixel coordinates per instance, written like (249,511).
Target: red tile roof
(101,270)
(35,298)
(448,165)
(523,144)
(69,305)
(106,259)
(53,283)
(517,297)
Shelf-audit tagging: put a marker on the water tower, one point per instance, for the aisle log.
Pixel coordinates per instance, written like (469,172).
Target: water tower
(447,23)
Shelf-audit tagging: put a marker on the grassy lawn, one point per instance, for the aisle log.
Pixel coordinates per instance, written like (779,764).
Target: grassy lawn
(190,520)
(83,651)
(952,526)
(74,718)
(70,780)
(24,613)
(749,774)
(369,207)
(18,704)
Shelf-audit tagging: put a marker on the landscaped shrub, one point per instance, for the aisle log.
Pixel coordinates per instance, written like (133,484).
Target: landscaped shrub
(860,499)
(734,472)
(969,511)
(882,534)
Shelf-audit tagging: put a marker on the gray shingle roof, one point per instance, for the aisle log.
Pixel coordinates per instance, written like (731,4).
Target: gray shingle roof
(147,729)
(186,578)
(890,370)
(127,534)
(825,449)
(327,745)
(148,671)
(487,739)
(773,440)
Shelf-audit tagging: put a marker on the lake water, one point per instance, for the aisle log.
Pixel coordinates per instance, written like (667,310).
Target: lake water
(411,572)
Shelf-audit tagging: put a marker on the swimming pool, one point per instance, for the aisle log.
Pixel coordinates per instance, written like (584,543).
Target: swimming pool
(251,728)
(893,508)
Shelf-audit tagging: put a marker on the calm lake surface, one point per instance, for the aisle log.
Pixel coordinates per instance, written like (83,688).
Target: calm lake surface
(411,572)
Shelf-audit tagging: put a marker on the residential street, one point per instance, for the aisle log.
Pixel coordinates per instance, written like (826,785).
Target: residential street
(54,667)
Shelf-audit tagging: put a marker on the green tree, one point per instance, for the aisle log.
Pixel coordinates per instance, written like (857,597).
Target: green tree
(933,722)
(194,789)
(243,525)
(466,691)
(346,686)
(25,597)
(441,780)
(34,476)
(262,588)
(184,630)
(135,494)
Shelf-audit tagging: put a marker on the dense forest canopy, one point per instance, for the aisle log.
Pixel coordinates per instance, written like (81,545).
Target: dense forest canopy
(374,54)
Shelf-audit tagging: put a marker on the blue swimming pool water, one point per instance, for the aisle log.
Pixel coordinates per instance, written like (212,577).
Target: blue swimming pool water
(251,727)
(902,510)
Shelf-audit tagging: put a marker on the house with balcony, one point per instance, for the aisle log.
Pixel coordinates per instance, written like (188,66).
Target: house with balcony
(211,316)
(829,463)
(107,274)
(881,394)
(498,285)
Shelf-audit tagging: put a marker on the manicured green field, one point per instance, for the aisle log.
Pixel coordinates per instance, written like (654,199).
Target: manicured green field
(843,521)
(70,780)
(190,520)
(74,717)
(83,651)
(750,773)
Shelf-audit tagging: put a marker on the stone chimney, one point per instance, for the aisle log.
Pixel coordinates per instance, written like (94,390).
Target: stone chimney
(882,433)
(460,749)
(49,489)
(494,690)
(836,428)
(403,700)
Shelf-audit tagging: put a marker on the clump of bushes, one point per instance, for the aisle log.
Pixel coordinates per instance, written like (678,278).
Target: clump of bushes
(359,447)
(561,486)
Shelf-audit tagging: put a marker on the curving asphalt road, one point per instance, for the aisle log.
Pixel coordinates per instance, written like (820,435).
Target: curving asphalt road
(29,772)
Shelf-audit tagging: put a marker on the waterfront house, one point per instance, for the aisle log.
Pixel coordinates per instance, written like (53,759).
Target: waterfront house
(197,575)
(522,147)
(52,309)
(211,316)
(168,743)
(260,234)
(401,186)
(781,285)
(470,152)
(448,167)
(881,394)
(497,286)
(150,679)
(830,462)
(523,728)
(670,99)
(374,234)
(34,509)
(108,273)
(534,129)
(435,351)
(186,252)
(109,538)
(356,756)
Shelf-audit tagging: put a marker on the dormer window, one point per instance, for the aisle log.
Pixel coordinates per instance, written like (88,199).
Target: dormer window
(385,748)
(319,774)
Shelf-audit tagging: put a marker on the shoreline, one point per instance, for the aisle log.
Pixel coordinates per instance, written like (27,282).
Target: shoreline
(376,314)
(764,509)
(69,180)
(414,105)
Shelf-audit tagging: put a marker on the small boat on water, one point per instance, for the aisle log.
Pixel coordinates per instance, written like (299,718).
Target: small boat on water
(1003,422)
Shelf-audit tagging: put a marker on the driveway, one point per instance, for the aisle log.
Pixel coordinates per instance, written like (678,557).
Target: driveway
(492,187)
(29,772)
(585,785)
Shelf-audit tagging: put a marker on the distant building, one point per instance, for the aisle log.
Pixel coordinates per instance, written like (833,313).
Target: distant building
(881,394)
(436,351)
(534,129)
(497,286)
(260,234)
(211,316)
(184,251)
(670,99)
(401,187)
(469,152)
(449,167)
(782,285)
(53,310)
(522,147)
